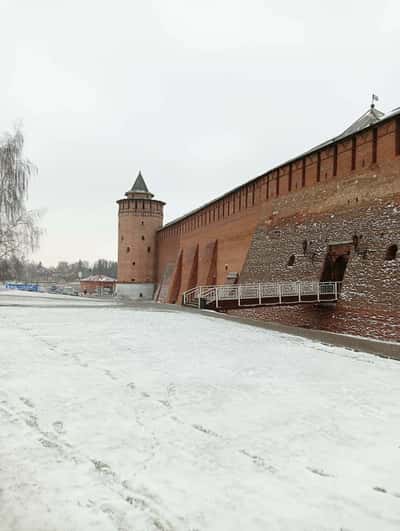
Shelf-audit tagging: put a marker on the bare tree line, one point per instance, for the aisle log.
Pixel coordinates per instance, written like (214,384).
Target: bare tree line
(15,269)
(19,229)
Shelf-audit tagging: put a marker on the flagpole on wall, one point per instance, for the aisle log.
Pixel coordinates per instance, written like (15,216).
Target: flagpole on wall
(374,99)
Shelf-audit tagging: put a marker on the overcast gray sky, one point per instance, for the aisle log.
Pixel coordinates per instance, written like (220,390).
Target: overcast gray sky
(200,95)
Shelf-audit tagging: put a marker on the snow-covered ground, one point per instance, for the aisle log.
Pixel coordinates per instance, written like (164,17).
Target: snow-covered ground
(146,419)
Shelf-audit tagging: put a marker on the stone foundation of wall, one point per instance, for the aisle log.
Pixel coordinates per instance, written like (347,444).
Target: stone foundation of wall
(136,291)
(378,322)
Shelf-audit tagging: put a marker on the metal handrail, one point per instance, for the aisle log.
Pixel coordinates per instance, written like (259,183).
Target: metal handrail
(262,291)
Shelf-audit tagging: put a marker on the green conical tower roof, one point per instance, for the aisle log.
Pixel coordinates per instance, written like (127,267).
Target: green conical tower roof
(139,187)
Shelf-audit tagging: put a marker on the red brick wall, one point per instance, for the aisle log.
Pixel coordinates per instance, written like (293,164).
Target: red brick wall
(91,286)
(233,233)
(327,200)
(369,304)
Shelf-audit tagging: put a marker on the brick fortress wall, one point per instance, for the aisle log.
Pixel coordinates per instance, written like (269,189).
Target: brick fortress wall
(206,254)
(369,305)
(346,190)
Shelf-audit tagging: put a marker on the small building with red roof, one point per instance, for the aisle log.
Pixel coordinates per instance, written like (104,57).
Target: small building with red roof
(97,285)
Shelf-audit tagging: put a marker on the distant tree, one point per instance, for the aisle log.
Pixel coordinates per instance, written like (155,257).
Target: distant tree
(17,269)
(5,270)
(105,267)
(19,231)
(81,267)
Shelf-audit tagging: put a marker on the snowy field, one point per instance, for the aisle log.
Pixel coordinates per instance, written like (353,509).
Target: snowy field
(146,419)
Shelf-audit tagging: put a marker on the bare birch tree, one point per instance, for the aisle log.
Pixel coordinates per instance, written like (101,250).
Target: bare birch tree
(19,230)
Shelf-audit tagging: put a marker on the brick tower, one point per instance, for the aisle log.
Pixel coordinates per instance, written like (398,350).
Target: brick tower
(139,218)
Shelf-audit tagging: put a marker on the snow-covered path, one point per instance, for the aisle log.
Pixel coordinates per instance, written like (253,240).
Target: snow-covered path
(117,418)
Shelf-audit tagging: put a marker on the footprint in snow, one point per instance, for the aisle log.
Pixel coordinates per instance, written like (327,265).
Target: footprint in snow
(102,467)
(137,502)
(27,402)
(89,504)
(319,472)
(171,389)
(201,428)
(30,420)
(116,516)
(259,461)
(5,413)
(58,426)
(48,444)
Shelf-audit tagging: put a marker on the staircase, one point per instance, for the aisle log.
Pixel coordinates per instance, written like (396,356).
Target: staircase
(262,294)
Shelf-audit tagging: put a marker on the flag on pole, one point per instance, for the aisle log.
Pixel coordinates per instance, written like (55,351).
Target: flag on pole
(375,97)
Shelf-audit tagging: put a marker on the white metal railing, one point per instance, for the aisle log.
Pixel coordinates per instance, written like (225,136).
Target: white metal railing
(262,293)
(194,296)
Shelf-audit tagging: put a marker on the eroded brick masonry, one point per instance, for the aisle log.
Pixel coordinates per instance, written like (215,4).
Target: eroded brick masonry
(333,210)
